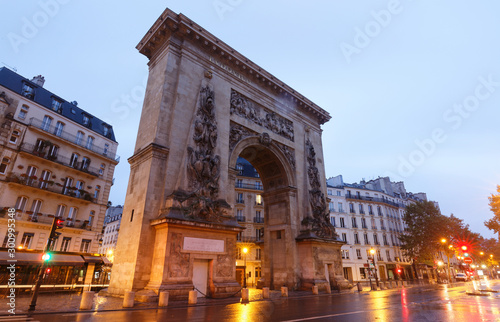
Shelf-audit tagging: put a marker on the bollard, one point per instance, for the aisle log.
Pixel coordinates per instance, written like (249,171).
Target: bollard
(193,297)
(389,284)
(360,287)
(163,300)
(382,285)
(265,292)
(315,289)
(128,299)
(244,295)
(328,289)
(405,283)
(87,300)
(284,291)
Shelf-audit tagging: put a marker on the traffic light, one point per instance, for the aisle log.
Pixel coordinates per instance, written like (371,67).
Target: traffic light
(48,270)
(46,257)
(464,248)
(57,223)
(399,270)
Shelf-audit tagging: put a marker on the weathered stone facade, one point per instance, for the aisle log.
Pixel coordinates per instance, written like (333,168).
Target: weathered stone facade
(205,105)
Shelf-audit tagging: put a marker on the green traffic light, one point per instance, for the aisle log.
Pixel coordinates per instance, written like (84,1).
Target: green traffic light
(466,254)
(46,257)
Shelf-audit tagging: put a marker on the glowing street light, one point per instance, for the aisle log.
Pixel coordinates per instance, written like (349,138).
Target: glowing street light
(372,252)
(443,240)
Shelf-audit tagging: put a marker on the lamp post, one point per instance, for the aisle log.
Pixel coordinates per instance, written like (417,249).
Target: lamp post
(245,251)
(447,252)
(372,251)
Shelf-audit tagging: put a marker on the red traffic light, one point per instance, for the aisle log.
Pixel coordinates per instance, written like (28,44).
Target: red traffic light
(399,270)
(464,248)
(48,270)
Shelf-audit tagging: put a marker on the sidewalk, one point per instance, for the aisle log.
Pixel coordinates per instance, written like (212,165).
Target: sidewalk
(70,302)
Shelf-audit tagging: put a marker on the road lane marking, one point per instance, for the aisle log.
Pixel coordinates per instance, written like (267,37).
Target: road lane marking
(325,316)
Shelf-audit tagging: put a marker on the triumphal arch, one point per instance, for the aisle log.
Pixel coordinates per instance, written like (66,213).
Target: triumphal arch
(206,105)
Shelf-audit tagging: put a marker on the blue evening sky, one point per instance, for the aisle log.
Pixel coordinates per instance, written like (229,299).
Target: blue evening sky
(413,87)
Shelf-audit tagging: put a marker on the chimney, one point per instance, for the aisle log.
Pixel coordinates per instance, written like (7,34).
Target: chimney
(39,80)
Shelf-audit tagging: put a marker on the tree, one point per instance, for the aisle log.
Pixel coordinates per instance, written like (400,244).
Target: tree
(494,223)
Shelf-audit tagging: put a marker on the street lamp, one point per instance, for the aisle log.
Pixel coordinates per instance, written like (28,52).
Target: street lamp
(372,252)
(447,252)
(245,251)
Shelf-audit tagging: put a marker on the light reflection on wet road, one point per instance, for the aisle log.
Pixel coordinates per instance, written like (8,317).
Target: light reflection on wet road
(430,303)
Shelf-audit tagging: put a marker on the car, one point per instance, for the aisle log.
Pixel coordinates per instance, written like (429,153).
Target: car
(462,277)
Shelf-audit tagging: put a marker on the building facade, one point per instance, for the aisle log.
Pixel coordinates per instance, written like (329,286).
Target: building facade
(110,231)
(369,216)
(57,160)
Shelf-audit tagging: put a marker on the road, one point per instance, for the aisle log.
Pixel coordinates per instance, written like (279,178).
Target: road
(430,303)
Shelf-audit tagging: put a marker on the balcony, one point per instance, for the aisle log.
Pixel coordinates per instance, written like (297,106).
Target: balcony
(72,139)
(240,218)
(373,199)
(240,201)
(362,212)
(383,228)
(48,218)
(51,186)
(258,220)
(31,149)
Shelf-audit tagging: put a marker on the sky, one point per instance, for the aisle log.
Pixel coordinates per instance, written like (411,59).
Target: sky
(413,86)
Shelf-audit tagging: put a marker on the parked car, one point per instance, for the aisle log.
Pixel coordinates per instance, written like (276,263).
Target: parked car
(462,277)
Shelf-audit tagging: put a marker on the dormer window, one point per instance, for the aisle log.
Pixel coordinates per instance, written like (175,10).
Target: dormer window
(56,105)
(86,120)
(105,130)
(28,91)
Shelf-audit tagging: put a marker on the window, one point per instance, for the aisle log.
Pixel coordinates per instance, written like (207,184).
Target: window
(73,162)
(388,254)
(36,206)
(105,130)
(342,222)
(6,239)
(61,209)
(358,254)
(362,273)
(384,237)
(379,256)
(26,241)
(239,198)
(90,142)
(44,179)
(56,105)
(258,185)
(52,155)
(67,185)
(23,112)
(356,238)
(106,148)
(86,120)
(351,208)
(379,211)
(329,192)
(363,223)
(339,193)
(354,223)
(344,237)
(361,210)
(382,225)
(85,246)
(85,163)
(47,120)
(91,218)
(367,242)
(259,233)
(348,193)
(102,168)
(370,210)
(31,175)
(65,244)
(21,203)
(96,192)
(239,215)
(256,174)
(375,239)
(239,167)
(238,237)
(28,91)
(332,221)
(258,200)
(59,128)
(14,137)
(239,183)
(358,195)
(72,214)
(345,254)
(79,137)
(341,207)
(39,146)
(258,216)
(3,165)
(79,187)
(332,206)
(258,256)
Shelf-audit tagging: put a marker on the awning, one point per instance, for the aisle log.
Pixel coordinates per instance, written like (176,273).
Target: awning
(35,258)
(92,259)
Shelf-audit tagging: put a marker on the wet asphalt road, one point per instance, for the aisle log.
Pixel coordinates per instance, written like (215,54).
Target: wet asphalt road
(429,303)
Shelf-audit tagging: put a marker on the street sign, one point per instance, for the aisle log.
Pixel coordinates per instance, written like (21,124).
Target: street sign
(468,260)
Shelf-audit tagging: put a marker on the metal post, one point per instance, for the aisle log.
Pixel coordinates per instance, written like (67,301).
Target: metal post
(376,275)
(245,271)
